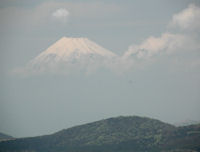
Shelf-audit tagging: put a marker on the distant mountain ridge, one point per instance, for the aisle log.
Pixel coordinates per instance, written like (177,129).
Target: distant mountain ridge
(187,123)
(5,137)
(120,134)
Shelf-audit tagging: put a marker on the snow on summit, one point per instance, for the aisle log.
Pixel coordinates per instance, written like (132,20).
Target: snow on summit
(69,54)
(67,46)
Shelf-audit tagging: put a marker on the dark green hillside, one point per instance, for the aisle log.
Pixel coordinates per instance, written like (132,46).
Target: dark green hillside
(121,134)
(113,131)
(183,138)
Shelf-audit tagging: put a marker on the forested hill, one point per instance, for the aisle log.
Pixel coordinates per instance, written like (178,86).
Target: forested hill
(120,134)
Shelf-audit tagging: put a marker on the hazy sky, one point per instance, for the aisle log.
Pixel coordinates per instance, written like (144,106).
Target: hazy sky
(158,41)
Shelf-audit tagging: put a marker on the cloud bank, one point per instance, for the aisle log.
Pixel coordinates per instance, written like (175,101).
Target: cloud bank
(152,46)
(188,19)
(183,42)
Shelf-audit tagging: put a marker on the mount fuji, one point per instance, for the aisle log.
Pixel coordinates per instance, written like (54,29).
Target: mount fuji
(71,54)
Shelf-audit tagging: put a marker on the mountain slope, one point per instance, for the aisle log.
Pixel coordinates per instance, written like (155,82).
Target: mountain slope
(71,54)
(121,134)
(5,137)
(113,131)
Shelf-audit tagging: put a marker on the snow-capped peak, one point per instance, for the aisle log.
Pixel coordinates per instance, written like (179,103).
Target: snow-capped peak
(65,46)
(69,51)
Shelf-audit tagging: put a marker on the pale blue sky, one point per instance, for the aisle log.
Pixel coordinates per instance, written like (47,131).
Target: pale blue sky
(166,88)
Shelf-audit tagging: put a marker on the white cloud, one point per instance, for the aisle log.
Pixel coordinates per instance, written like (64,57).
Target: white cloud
(188,19)
(152,46)
(184,44)
(61,14)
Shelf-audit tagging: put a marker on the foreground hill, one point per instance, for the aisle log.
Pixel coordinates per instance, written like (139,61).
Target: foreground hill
(121,134)
(5,137)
